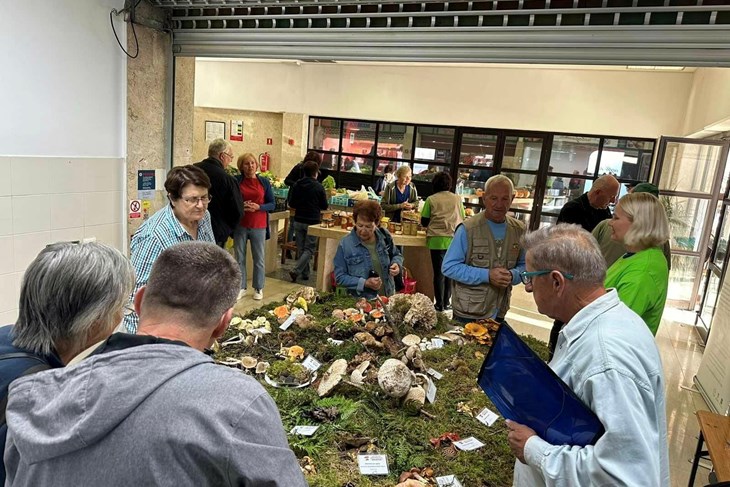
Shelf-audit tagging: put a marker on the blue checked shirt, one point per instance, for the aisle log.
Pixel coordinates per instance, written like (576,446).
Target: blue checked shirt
(155,235)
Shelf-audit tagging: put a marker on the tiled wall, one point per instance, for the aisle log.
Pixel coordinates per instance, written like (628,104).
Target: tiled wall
(50,199)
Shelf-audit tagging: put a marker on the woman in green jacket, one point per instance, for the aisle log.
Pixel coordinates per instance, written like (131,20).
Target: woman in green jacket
(641,276)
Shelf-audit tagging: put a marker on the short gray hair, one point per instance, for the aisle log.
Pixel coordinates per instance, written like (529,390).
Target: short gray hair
(70,292)
(402,171)
(567,248)
(497,180)
(217,146)
(196,279)
(649,223)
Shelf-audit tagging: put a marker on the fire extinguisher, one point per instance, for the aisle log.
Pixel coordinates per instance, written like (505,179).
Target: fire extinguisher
(264,160)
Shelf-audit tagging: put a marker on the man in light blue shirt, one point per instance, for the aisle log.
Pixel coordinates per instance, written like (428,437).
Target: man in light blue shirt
(608,357)
(485,259)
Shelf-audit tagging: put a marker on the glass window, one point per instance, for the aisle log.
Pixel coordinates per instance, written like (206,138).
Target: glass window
(523,217)
(713,288)
(426,172)
(358,138)
(478,149)
(548,221)
(689,167)
(725,176)
(686,220)
(395,141)
(381,163)
(626,158)
(574,155)
(361,165)
(522,153)
(329,161)
(324,134)
(434,144)
(723,239)
(682,277)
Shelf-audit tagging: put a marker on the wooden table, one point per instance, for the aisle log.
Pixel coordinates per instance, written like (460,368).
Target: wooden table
(416,257)
(715,432)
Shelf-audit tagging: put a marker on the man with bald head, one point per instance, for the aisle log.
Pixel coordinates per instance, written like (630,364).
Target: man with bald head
(587,210)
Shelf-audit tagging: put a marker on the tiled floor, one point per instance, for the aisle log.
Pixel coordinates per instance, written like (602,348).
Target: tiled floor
(679,347)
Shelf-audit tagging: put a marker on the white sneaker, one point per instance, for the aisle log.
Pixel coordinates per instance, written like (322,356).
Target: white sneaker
(241,294)
(258,294)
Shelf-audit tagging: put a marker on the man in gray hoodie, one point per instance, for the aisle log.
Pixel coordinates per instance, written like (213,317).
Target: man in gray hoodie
(151,408)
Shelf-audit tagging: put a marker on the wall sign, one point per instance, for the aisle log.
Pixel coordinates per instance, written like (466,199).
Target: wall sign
(214,130)
(135,209)
(236,130)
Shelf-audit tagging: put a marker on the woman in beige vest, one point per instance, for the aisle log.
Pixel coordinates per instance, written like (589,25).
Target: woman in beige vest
(441,214)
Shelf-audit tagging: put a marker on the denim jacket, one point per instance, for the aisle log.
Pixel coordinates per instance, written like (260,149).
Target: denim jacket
(353,263)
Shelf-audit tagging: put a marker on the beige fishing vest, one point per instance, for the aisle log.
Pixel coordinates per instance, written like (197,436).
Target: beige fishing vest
(445,214)
(481,301)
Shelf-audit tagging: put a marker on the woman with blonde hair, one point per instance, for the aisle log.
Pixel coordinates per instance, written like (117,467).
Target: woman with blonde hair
(641,276)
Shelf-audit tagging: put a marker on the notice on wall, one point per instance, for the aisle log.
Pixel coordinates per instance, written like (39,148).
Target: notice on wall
(214,130)
(713,375)
(236,130)
(135,209)
(146,180)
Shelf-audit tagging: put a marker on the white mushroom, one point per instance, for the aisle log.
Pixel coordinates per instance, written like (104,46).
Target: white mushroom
(414,400)
(394,378)
(409,340)
(249,362)
(358,375)
(332,377)
(262,367)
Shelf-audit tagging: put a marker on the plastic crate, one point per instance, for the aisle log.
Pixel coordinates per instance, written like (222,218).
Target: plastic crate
(281,192)
(339,200)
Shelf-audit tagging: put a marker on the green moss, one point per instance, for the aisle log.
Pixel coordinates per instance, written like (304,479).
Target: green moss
(288,372)
(383,422)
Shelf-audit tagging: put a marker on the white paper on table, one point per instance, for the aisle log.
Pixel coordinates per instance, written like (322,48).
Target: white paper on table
(467,444)
(288,322)
(372,464)
(435,374)
(437,343)
(487,417)
(311,363)
(448,481)
(431,391)
(304,430)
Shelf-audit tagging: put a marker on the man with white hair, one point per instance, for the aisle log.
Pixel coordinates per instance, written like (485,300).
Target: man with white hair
(152,408)
(226,202)
(608,357)
(485,258)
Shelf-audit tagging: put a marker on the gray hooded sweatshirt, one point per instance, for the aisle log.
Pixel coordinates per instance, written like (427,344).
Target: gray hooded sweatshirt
(155,414)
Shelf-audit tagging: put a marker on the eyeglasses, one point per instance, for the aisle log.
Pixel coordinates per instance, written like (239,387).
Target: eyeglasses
(527,276)
(228,154)
(127,309)
(194,200)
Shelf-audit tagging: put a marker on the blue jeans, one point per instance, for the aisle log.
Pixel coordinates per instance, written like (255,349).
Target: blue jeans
(306,245)
(257,237)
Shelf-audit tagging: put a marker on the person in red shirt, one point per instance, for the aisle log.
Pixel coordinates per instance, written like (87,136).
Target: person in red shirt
(258,201)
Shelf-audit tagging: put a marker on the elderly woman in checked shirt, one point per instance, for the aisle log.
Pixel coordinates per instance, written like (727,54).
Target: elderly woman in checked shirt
(184,219)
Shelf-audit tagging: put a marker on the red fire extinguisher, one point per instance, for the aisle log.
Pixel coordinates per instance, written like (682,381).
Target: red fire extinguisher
(264,160)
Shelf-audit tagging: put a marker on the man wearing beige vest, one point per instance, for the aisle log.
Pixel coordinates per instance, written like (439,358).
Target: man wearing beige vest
(485,259)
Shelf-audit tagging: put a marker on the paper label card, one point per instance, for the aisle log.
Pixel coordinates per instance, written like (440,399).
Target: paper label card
(288,322)
(335,342)
(437,343)
(311,363)
(487,417)
(431,391)
(448,481)
(304,430)
(435,374)
(373,464)
(467,444)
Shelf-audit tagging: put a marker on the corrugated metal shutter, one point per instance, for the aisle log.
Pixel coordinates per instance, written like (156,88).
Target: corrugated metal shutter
(623,32)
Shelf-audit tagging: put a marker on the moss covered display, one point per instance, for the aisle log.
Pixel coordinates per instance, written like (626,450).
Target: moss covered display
(357,416)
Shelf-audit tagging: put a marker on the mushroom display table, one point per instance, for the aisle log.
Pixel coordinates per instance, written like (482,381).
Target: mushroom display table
(416,257)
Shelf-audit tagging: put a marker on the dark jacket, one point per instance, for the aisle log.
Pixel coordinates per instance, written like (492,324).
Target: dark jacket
(11,369)
(226,205)
(308,198)
(580,212)
(269,203)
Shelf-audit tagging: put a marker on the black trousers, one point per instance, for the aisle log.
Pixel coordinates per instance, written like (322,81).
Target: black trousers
(441,283)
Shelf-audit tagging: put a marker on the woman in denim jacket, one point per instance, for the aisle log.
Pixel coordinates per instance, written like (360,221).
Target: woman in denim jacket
(366,259)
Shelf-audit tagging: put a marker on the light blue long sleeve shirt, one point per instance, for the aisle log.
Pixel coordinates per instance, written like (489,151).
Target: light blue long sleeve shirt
(454,265)
(608,357)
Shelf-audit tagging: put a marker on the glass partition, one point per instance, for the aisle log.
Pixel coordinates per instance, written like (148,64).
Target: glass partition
(574,155)
(434,144)
(395,141)
(522,153)
(358,138)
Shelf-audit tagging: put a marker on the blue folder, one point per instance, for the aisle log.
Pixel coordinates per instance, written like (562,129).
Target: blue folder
(526,390)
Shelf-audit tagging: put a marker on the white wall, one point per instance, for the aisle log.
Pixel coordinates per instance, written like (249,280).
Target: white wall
(709,100)
(62,131)
(631,103)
